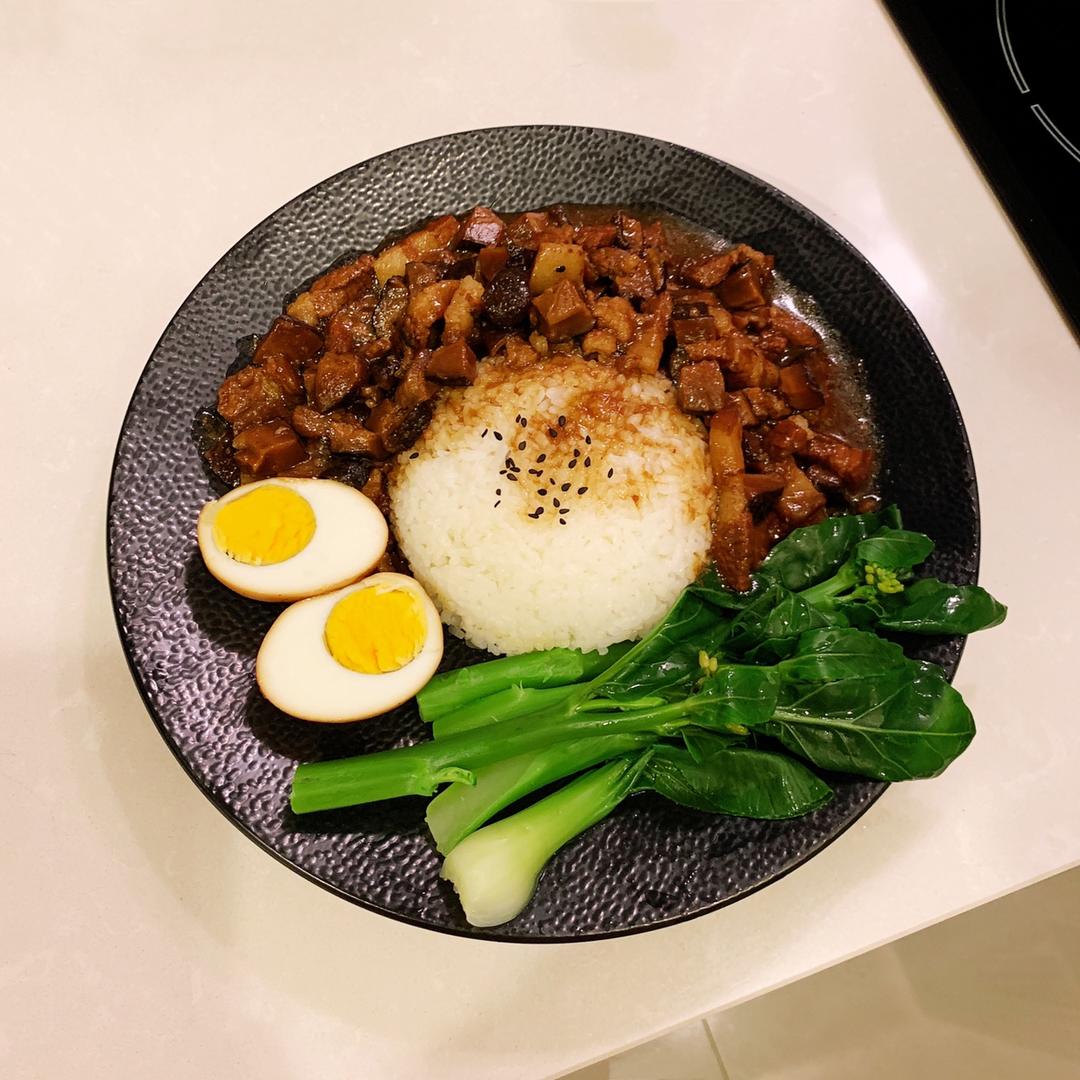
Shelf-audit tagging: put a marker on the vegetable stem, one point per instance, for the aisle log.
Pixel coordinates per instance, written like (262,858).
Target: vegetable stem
(495,869)
(554,667)
(459,809)
(507,704)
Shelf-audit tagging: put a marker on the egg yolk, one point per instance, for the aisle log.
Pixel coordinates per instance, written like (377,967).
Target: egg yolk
(268,525)
(375,630)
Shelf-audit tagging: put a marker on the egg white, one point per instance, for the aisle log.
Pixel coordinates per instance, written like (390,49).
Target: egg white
(296,672)
(350,538)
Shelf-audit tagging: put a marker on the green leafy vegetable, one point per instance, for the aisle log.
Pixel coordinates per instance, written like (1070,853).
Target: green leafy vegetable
(735,780)
(726,706)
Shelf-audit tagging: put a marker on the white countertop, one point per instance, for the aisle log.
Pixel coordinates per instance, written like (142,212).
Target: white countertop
(140,933)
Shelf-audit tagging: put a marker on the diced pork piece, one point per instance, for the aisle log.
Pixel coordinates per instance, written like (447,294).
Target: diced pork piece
(462,310)
(766,404)
(453,362)
(746,414)
(701,387)
(336,376)
(390,310)
(591,237)
(757,484)
(334,290)
(851,463)
(556,234)
(294,340)
(396,426)
(437,234)
(489,261)
(752,318)
(601,343)
(415,388)
(251,397)
(822,478)
(617,315)
(799,333)
(351,327)
(418,274)
(709,271)
(555,263)
(518,353)
(628,272)
(283,371)
(563,312)
(426,307)
(646,351)
(630,232)
(744,287)
(795,385)
(743,362)
(482,227)
(800,500)
(268,449)
(698,328)
(525,229)
(345,433)
(788,437)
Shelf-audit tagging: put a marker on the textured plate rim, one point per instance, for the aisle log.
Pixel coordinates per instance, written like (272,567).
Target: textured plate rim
(492,934)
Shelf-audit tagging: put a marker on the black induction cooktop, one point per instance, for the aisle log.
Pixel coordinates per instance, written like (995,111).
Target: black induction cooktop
(1006,71)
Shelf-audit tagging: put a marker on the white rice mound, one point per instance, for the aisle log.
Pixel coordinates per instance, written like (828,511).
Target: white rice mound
(510,581)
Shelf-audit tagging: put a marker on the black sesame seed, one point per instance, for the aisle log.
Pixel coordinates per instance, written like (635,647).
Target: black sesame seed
(560,269)
(564,487)
(564,510)
(496,506)
(610,473)
(556,503)
(582,490)
(552,433)
(497,435)
(511,476)
(509,462)
(562,421)
(571,463)
(588,462)
(588,440)
(522,445)
(483,434)
(498,491)
(524,421)
(541,492)
(414,455)
(536,472)
(562,521)
(541,459)
(539,511)
(577,452)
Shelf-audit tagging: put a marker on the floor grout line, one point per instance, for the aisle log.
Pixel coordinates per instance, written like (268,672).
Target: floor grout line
(716,1050)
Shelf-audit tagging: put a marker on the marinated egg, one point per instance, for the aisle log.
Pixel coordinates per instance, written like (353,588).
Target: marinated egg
(353,653)
(289,538)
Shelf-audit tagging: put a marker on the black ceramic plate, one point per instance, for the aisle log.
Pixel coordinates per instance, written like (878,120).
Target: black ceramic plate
(191,643)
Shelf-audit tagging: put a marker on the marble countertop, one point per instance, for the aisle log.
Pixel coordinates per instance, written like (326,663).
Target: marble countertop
(141,934)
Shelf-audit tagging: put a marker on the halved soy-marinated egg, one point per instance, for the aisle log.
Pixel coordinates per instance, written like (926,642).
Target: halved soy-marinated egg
(353,653)
(289,538)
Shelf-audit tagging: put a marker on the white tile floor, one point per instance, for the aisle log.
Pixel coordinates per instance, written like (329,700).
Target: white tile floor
(990,995)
